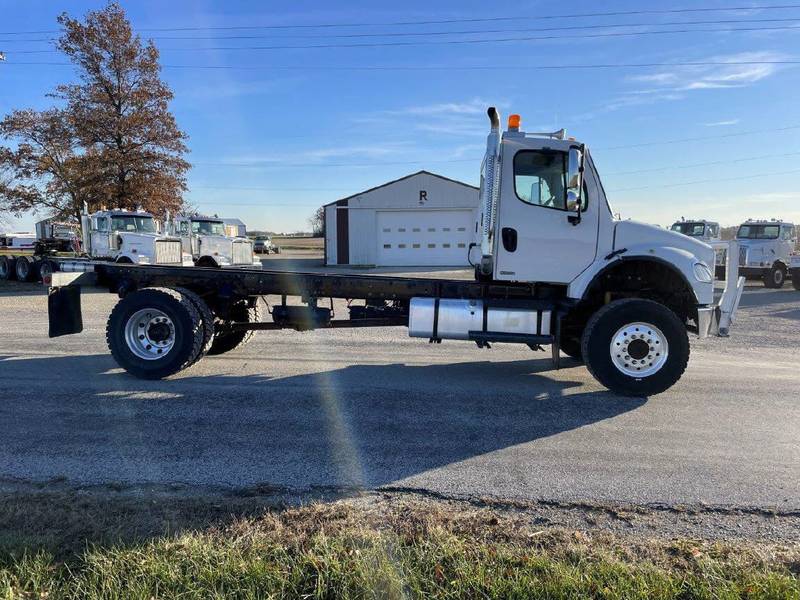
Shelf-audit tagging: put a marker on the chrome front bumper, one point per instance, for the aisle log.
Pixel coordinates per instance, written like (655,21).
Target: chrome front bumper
(717,318)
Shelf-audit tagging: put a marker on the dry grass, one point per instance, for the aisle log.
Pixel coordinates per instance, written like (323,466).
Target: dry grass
(299,243)
(76,545)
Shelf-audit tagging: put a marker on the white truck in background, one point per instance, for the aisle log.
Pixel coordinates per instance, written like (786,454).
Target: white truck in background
(205,239)
(765,247)
(794,270)
(699,229)
(707,231)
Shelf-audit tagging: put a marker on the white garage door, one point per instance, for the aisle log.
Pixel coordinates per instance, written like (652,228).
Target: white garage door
(424,237)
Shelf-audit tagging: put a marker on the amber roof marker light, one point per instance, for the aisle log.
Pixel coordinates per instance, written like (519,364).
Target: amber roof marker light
(514,122)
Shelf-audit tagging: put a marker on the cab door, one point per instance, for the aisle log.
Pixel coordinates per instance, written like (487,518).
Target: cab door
(100,233)
(185,233)
(537,236)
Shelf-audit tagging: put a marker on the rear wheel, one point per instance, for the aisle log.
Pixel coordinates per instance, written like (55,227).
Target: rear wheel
(7,268)
(154,332)
(775,277)
(206,320)
(636,347)
(46,268)
(24,268)
(225,339)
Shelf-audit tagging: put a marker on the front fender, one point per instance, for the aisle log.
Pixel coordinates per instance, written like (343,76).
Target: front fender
(682,261)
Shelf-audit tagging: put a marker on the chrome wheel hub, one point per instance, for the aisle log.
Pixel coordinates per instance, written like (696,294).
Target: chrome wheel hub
(639,349)
(150,334)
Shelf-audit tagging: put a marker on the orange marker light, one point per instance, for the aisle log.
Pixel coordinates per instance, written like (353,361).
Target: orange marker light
(514,122)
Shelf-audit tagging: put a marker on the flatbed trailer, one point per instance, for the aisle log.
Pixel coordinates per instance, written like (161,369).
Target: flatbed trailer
(386,298)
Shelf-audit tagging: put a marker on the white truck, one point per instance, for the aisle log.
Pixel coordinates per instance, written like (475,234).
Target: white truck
(699,229)
(794,270)
(118,236)
(764,250)
(555,268)
(707,231)
(205,239)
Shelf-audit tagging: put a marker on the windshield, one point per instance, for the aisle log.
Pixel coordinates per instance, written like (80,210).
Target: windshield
(131,223)
(758,232)
(690,229)
(208,227)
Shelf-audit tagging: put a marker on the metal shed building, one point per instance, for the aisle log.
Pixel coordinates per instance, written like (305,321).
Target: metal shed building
(422,219)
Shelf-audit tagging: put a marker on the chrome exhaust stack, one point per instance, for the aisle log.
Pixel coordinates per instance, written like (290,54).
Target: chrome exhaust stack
(490,183)
(86,238)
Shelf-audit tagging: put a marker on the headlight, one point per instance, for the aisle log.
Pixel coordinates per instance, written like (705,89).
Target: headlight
(702,272)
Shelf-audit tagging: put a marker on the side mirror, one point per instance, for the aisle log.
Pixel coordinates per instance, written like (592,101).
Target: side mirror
(574,184)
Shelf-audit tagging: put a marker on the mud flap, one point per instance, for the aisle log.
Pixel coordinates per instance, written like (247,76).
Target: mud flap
(64,310)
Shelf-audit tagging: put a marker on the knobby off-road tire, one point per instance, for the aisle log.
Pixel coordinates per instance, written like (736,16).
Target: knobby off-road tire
(25,268)
(8,268)
(226,340)
(636,347)
(206,320)
(775,277)
(154,332)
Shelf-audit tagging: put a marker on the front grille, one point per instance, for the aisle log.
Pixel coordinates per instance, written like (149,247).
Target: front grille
(743,255)
(242,253)
(168,252)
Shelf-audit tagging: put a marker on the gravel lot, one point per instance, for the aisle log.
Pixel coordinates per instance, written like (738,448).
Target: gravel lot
(376,409)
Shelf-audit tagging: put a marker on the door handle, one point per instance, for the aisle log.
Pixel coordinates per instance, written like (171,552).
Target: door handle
(509,236)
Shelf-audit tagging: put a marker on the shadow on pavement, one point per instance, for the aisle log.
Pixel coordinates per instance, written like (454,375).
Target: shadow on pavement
(366,426)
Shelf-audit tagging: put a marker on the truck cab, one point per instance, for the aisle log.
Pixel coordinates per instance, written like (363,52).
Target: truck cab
(205,239)
(765,247)
(130,237)
(700,229)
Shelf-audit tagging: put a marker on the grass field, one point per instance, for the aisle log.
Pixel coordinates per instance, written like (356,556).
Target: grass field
(79,546)
(299,243)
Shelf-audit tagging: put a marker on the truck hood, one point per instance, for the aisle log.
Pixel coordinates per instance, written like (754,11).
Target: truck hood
(632,234)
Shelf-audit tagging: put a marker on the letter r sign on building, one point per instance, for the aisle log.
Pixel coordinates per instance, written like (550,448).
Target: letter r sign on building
(423,197)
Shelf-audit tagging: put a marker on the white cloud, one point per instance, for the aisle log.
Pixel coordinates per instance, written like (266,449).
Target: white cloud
(723,123)
(714,76)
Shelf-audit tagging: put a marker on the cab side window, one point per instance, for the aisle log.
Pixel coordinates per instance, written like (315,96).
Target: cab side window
(184,228)
(100,224)
(540,178)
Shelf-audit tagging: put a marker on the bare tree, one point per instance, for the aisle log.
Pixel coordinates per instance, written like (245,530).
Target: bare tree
(113,142)
(317,222)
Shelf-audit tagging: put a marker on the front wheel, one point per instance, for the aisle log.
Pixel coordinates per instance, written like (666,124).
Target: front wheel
(775,277)
(636,347)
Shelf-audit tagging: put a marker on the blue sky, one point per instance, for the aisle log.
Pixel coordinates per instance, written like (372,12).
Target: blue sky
(289,129)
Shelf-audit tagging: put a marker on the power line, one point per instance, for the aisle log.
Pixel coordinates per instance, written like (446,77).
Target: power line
(444,67)
(272,165)
(698,139)
(456,32)
(702,164)
(699,181)
(398,44)
(452,21)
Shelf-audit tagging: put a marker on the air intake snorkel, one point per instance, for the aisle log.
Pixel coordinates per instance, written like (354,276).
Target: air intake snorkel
(489,186)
